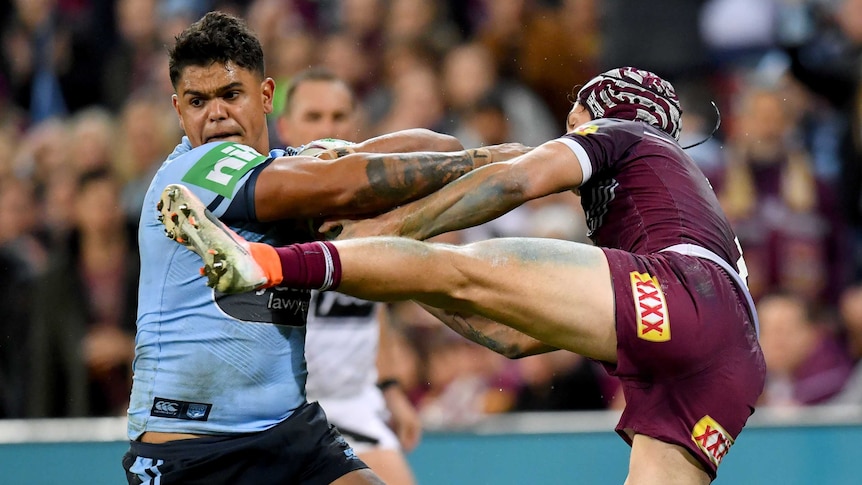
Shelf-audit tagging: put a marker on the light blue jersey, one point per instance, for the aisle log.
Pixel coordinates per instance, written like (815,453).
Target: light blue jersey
(206,362)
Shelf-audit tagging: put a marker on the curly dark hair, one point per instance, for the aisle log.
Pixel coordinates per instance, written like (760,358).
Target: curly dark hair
(216,37)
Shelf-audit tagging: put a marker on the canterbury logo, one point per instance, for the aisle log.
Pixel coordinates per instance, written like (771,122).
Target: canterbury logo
(175,409)
(650,308)
(166,407)
(712,439)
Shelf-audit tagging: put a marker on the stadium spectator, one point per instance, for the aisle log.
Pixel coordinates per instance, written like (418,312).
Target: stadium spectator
(132,62)
(411,22)
(22,259)
(783,213)
(419,86)
(559,381)
(91,140)
(148,130)
(806,364)
(469,74)
(83,340)
(850,311)
(829,64)
(530,42)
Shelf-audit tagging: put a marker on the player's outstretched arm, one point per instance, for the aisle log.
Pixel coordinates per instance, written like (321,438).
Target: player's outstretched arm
(404,141)
(478,197)
(362,184)
(504,340)
(356,184)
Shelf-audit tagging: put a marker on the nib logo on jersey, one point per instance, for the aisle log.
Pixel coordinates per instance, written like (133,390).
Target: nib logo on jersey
(712,439)
(222,167)
(650,308)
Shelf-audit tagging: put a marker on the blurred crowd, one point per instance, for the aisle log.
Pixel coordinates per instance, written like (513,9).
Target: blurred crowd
(86,119)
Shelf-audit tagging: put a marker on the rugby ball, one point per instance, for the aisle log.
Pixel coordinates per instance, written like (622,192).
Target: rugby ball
(314,148)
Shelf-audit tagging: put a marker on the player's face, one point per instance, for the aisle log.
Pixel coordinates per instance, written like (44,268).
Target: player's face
(223,102)
(578,115)
(319,109)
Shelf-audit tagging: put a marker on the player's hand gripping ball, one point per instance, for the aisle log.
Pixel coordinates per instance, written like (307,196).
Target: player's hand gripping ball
(325,148)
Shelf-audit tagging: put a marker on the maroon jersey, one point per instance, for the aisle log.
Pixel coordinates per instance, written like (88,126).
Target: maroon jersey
(642,193)
(687,358)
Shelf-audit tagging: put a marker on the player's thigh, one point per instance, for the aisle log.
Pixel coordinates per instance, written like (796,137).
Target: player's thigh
(655,462)
(556,291)
(389,464)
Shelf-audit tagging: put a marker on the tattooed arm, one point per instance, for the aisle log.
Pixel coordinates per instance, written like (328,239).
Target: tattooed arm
(478,197)
(501,339)
(364,184)
(361,183)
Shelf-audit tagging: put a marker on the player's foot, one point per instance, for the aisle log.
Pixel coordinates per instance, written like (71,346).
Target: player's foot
(228,262)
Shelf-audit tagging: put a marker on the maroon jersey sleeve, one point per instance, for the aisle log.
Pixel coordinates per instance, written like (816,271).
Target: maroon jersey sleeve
(642,193)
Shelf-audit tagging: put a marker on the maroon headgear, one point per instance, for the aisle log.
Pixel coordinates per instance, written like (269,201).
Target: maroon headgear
(633,94)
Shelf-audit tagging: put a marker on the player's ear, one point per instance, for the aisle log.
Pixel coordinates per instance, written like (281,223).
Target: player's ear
(175,101)
(267,92)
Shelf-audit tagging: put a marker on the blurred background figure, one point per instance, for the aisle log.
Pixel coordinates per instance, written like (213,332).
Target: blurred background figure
(805,362)
(148,129)
(84,307)
(533,41)
(22,259)
(828,62)
(469,73)
(850,312)
(349,347)
(318,105)
(91,140)
(132,62)
(559,381)
(784,215)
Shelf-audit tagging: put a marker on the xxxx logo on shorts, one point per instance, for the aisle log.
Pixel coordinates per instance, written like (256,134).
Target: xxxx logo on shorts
(712,439)
(650,308)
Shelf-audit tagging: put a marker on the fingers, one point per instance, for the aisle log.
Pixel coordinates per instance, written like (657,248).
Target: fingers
(508,151)
(332,225)
(409,436)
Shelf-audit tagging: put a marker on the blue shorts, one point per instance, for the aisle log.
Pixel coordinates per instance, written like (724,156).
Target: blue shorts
(303,448)
(688,358)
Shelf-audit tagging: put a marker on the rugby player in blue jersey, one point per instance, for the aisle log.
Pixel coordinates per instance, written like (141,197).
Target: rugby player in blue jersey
(218,394)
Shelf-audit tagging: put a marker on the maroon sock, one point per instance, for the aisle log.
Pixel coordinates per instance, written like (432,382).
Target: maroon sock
(313,265)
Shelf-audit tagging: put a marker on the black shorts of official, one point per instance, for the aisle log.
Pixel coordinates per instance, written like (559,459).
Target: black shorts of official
(302,449)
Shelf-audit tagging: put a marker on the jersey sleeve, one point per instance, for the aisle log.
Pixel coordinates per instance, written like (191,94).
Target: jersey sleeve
(600,144)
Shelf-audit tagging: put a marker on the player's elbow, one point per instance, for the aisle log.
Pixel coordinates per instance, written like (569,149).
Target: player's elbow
(512,351)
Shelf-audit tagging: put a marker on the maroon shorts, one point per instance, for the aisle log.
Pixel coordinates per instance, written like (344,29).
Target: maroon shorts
(688,357)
